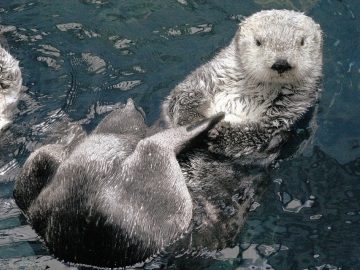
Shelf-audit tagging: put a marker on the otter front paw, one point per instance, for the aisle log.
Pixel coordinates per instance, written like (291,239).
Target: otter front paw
(233,141)
(218,130)
(219,138)
(215,148)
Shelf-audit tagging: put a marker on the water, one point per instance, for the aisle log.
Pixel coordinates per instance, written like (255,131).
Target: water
(81,59)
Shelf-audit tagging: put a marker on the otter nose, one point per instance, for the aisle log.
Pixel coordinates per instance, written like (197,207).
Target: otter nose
(281,66)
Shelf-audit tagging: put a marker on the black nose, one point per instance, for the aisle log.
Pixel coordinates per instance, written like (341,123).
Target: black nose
(281,66)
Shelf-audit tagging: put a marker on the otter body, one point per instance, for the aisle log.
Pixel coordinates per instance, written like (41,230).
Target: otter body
(10,83)
(264,81)
(114,198)
(83,197)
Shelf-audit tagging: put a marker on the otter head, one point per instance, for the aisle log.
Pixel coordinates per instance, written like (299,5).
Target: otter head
(10,75)
(279,46)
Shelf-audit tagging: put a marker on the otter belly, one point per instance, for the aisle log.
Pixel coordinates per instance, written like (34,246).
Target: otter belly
(237,108)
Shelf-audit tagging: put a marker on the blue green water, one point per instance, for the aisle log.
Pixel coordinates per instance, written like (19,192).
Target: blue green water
(81,59)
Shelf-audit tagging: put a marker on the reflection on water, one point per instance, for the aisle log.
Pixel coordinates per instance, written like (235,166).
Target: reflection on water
(82,59)
(320,234)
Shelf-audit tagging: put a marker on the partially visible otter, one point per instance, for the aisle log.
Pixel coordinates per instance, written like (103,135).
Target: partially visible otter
(10,83)
(265,81)
(113,198)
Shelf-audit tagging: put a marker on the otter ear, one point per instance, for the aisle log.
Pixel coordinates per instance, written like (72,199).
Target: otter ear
(238,32)
(318,35)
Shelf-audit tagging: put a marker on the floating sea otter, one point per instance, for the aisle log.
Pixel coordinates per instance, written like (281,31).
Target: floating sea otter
(104,200)
(264,81)
(113,198)
(10,83)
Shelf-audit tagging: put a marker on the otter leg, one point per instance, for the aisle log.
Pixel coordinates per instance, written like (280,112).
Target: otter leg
(37,172)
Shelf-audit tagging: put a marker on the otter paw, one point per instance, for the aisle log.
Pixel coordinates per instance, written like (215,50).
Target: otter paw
(215,149)
(213,133)
(219,129)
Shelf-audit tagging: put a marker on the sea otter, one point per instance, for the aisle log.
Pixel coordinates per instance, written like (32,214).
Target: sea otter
(10,83)
(265,81)
(113,198)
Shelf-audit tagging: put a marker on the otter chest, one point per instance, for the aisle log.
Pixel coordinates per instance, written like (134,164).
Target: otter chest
(246,107)
(237,108)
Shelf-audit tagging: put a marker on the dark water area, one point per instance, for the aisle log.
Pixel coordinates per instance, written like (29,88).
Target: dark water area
(81,59)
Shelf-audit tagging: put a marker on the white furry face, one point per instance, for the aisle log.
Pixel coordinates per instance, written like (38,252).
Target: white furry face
(10,85)
(280,47)
(10,74)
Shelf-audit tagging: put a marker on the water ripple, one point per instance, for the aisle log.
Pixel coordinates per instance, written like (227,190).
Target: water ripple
(18,234)
(8,209)
(78,29)
(34,263)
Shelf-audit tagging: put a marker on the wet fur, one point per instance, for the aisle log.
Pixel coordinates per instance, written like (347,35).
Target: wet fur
(10,83)
(112,198)
(264,112)
(261,105)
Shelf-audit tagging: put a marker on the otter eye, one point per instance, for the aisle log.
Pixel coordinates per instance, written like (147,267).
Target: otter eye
(258,43)
(302,42)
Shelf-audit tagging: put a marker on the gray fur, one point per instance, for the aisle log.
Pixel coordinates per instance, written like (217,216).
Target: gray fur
(113,198)
(222,193)
(264,81)
(269,95)
(10,83)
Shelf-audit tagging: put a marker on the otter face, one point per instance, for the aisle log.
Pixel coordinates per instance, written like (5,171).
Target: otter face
(10,74)
(280,46)
(10,85)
